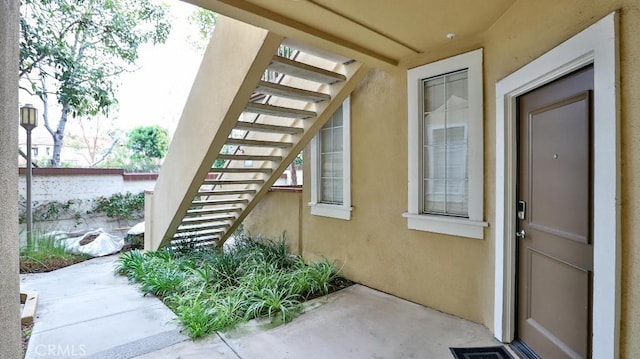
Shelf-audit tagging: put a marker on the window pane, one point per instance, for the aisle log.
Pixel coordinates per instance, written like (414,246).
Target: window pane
(329,123)
(433,94)
(434,162)
(326,191)
(331,191)
(457,90)
(457,198)
(434,196)
(338,168)
(326,141)
(433,128)
(456,159)
(331,160)
(338,191)
(445,145)
(326,165)
(337,139)
(456,126)
(337,117)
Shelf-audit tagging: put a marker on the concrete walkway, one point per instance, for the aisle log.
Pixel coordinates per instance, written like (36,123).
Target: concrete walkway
(357,322)
(87,312)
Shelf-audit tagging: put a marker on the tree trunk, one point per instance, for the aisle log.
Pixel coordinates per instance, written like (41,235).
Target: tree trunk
(294,174)
(58,137)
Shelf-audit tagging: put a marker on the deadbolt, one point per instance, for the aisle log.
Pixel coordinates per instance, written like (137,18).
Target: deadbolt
(522,209)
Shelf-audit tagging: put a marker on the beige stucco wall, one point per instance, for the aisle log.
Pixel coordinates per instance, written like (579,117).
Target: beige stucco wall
(448,273)
(278,214)
(375,247)
(507,50)
(453,274)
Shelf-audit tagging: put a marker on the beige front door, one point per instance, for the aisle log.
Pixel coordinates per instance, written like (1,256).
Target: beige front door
(555,242)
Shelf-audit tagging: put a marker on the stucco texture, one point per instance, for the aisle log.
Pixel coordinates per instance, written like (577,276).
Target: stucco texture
(9,280)
(375,247)
(276,216)
(448,273)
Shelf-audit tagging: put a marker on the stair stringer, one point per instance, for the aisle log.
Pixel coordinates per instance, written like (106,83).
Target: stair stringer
(231,68)
(355,72)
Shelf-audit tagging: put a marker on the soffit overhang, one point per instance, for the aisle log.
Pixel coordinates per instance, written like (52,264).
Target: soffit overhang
(378,32)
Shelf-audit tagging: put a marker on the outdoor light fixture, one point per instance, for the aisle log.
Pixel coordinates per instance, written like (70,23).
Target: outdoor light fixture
(28,117)
(29,120)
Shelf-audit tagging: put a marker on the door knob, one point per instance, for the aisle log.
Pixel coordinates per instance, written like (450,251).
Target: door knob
(521,234)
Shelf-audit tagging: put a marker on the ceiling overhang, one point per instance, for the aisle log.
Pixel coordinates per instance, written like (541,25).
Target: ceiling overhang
(380,33)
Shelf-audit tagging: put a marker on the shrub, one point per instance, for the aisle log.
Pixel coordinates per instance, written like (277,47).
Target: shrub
(44,252)
(120,205)
(211,290)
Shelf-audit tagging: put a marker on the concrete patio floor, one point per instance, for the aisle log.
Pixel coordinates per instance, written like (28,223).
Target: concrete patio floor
(86,308)
(86,311)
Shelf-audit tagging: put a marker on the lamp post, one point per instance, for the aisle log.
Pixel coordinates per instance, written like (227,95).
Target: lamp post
(29,121)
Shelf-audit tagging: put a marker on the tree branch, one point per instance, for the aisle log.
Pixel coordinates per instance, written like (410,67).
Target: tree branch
(23,155)
(108,151)
(26,90)
(45,102)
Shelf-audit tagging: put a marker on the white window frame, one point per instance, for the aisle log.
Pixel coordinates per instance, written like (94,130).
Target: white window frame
(339,211)
(473,226)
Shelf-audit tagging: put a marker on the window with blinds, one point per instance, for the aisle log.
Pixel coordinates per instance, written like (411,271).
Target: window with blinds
(445,145)
(331,160)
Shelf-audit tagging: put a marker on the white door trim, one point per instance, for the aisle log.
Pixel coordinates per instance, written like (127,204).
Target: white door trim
(597,45)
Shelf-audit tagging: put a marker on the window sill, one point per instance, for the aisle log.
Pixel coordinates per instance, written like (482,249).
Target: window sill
(332,211)
(446,225)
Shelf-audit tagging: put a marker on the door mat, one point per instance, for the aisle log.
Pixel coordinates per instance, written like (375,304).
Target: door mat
(481,353)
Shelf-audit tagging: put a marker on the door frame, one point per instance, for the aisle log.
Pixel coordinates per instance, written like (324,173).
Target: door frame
(597,45)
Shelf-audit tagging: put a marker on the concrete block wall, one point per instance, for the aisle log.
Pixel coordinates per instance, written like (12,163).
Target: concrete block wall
(83,186)
(63,184)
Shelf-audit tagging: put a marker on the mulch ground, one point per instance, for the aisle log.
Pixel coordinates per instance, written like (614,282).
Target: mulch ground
(48,264)
(26,334)
(335,285)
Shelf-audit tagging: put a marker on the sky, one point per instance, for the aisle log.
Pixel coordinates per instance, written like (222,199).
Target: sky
(156,92)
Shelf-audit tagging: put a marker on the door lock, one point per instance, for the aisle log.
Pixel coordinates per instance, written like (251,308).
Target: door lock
(522,209)
(521,234)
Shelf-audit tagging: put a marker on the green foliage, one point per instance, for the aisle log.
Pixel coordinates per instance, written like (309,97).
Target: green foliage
(205,21)
(80,48)
(44,252)
(211,290)
(85,44)
(130,264)
(218,163)
(299,159)
(123,206)
(148,142)
(51,210)
(269,301)
(196,317)
(120,205)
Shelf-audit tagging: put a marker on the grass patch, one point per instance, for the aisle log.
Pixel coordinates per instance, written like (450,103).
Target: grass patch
(212,291)
(45,253)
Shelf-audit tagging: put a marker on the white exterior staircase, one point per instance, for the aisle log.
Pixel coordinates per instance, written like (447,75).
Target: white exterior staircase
(239,131)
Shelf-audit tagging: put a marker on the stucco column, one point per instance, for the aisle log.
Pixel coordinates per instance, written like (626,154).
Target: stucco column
(10,342)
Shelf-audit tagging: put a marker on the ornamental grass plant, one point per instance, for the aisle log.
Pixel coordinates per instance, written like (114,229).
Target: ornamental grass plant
(44,252)
(212,290)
